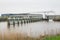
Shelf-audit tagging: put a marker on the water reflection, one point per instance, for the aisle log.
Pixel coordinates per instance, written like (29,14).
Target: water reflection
(17,22)
(31,29)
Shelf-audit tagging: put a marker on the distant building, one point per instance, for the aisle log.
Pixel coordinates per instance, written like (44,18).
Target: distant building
(24,16)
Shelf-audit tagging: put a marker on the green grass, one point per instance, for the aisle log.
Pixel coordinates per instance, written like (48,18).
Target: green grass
(56,37)
(3,19)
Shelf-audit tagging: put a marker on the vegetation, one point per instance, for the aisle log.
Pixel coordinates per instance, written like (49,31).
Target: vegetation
(3,18)
(52,37)
(15,36)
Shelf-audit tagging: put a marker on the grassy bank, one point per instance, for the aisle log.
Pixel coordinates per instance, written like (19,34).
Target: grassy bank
(52,37)
(3,19)
(56,19)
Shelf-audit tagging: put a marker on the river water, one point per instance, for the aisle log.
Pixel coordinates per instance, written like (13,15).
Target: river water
(31,29)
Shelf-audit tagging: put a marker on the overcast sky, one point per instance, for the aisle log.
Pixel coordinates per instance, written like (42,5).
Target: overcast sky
(18,6)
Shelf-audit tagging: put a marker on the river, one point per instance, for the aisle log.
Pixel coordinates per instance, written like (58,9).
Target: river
(31,29)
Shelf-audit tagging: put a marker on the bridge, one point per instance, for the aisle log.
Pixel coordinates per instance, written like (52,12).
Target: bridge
(22,18)
(27,17)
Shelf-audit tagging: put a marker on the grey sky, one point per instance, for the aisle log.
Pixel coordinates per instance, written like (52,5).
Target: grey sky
(18,6)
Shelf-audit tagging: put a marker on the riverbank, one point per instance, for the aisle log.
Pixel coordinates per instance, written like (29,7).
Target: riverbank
(52,37)
(15,36)
(3,19)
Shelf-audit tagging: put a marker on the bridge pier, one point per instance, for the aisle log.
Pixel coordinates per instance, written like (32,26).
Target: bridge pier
(21,21)
(8,24)
(18,23)
(27,21)
(13,23)
(24,21)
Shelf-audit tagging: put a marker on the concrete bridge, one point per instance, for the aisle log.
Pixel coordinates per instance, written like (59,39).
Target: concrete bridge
(22,18)
(27,17)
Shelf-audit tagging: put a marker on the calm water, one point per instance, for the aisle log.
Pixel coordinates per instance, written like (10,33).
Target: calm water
(31,29)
